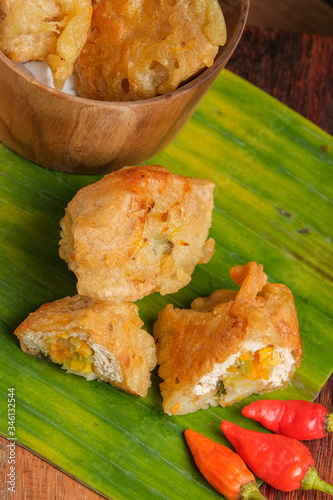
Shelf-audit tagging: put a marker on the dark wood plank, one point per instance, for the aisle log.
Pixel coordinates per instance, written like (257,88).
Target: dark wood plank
(304,16)
(38,480)
(298,70)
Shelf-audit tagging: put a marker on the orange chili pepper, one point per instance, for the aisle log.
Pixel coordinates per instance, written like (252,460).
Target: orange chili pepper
(222,468)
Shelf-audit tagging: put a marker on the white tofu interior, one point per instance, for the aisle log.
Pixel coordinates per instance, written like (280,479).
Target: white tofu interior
(247,372)
(76,353)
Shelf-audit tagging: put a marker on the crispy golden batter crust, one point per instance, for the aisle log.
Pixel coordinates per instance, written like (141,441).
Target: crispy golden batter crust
(28,30)
(137,231)
(139,49)
(190,342)
(45,30)
(115,329)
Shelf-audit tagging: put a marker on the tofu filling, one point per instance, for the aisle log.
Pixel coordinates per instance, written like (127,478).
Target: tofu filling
(249,374)
(73,353)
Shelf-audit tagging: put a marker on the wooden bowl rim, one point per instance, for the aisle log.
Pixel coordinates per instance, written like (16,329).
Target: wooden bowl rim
(219,63)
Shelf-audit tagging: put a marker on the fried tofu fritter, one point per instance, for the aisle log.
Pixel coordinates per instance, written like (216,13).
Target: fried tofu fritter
(28,30)
(45,30)
(139,49)
(229,345)
(92,339)
(137,231)
(135,49)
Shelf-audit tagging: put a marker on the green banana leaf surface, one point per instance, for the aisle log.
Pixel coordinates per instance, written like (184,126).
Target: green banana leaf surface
(273,204)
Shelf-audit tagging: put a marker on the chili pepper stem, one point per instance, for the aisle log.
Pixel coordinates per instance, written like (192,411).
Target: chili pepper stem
(329,422)
(312,481)
(250,491)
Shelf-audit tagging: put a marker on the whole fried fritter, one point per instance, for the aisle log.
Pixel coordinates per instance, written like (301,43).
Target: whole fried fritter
(141,48)
(45,30)
(137,231)
(92,339)
(229,345)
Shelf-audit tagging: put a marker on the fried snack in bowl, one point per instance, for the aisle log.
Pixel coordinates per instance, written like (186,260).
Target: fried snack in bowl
(86,136)
(140,49)
(137,231)
(45,30)
(229,345)
(92,339)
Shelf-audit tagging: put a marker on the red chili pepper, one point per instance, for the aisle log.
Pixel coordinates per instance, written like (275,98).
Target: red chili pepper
(301,420)
(283,462)
(222,468)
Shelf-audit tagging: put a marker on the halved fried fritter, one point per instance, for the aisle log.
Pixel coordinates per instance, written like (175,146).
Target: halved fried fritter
(229,345)
(45,30)
(142,48)
(92,339)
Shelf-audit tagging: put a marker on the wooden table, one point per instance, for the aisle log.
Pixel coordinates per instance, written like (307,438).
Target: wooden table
(303,16)
(297,69)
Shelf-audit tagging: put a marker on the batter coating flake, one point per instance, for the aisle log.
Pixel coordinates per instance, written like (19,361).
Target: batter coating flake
(45,30)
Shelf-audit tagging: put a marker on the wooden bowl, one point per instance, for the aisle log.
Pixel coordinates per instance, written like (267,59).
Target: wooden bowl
(77,135)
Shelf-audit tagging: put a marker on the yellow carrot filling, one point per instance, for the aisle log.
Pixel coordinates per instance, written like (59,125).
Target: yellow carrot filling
(249,366)
(71,352)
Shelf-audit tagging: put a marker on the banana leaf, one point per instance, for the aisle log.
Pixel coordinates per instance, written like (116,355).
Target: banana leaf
(272,170)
